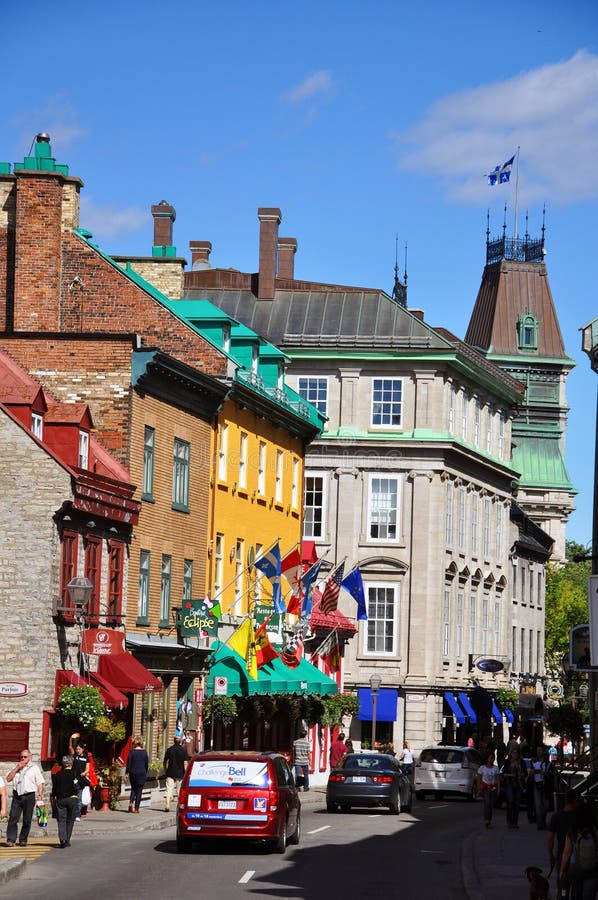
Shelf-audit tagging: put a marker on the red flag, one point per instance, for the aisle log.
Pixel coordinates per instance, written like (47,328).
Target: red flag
(292,569)
(264,651)
(329,601)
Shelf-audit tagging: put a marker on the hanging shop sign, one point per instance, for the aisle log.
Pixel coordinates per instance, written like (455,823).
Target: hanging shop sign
(489,665)
(102,641)
(197,620)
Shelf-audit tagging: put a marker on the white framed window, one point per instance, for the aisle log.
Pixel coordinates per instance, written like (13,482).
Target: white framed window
(477,415)
(496,627)
(514,647)
(295,484)
(499,530)
(485,623)
(380,630)
(37,425)
(514,580)
(489,422)
(501,436)
(83,449)
(149,455)
(315,391)
(243,460)
(278,486)
(475,509)
(165,588)
(486,527)
(446,623)
(144,585)
(522,650)
(222,452)
(459,625)
(218,563)
(523,584)
(239,567)
(451,409)
(261,469)
(464,411)
(387,398)
(539,581)
(180,474)
(473,600)
(530,652)
(187,579)
(461,517)
(448,520)
(314,506)
(383,508)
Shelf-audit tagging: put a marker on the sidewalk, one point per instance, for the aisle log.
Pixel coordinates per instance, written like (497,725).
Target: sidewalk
(493,861)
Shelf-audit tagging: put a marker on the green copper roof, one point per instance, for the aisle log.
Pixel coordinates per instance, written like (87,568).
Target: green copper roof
(541,463)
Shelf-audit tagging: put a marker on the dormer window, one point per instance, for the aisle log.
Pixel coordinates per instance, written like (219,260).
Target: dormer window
(37,425)
(527,332)
(83,449)
(226,338)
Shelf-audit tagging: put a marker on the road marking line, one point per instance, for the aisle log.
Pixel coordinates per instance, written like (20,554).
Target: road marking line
(323,828)
(431,851)
(248,874)
(374,816)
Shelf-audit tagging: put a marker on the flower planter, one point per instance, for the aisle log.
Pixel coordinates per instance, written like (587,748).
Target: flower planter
(104,798)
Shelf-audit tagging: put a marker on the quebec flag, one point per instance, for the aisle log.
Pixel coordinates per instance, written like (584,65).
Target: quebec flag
(501,174)
(270,564)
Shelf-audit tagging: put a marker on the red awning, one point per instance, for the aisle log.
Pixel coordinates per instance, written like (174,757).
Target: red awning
(128,674)
(111,696)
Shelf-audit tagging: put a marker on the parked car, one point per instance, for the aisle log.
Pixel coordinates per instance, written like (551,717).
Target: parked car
(368,779)
(236,794)
(447,770)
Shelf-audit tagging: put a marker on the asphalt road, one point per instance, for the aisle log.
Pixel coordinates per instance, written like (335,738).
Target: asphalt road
(360,854)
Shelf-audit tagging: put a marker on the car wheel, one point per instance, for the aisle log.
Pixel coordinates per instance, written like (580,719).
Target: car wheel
(183,844)
(406,807)
(296,836)
(345,808)
(420,795)
(394,807)
(331,807)
(281,844)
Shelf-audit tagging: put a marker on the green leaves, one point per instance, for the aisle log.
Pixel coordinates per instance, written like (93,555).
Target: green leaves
(83,704)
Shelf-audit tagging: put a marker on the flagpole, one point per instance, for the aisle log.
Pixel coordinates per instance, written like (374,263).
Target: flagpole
(516,199)
(246,569)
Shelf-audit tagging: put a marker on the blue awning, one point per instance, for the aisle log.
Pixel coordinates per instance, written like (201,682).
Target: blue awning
(457,711)
(464,701)
(496,713)
(386,704)
(509,716)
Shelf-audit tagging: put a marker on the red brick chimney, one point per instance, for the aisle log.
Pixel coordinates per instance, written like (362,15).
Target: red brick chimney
(287,247)
(164,215)
(200,254)
(270,219)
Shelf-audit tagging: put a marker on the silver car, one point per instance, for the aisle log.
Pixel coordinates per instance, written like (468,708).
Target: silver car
(447,770)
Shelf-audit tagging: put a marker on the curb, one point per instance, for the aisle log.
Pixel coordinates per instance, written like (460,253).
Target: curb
(11,869)
(469,878)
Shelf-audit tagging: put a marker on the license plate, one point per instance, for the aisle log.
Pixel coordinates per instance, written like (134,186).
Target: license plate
(359,779)
(227,804)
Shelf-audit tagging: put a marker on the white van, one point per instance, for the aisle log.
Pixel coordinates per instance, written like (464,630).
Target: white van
(447,770)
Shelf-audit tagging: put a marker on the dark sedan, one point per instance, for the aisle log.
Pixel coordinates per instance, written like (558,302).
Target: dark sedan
(368,779)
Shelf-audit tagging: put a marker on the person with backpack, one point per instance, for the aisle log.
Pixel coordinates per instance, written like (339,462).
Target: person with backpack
(579,863)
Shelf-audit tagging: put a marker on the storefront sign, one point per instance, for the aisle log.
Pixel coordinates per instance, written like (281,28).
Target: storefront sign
(489,665)
(220,686)
(13,688)
(263,611)
(14,737)
(102,642)
(197,620)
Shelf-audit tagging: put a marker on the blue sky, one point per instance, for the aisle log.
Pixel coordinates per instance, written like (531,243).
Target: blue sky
(360,121)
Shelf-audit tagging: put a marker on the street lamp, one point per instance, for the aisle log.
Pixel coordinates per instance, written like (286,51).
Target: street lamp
(375,682)
(80,589)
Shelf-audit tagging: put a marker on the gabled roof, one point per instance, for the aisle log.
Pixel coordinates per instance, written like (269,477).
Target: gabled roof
(69,414)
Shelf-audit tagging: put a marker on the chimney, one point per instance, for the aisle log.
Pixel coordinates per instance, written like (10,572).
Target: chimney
(287,247)
(200,254)
(269,221)
(164,215)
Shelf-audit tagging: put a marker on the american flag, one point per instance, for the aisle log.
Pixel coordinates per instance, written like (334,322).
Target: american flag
(329,601)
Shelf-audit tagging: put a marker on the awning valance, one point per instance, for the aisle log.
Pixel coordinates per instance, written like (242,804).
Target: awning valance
(128,674)
(509,716)
(386,704)
(464,701)
(496,713)
(455,708)
(274,678)
(111,696)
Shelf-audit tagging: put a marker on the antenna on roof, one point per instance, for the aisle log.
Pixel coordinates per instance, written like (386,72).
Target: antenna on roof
(399,291)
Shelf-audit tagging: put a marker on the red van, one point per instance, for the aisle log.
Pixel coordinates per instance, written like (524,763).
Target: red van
(239,794)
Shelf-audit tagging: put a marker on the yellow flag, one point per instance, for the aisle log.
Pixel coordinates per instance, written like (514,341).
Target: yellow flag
(243,642)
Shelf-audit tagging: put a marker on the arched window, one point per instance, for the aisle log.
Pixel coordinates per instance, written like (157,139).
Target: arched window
(527,332)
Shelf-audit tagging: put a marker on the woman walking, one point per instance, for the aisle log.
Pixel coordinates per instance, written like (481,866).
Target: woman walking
(137,766)
(513,775)
(488,786)
(66,794)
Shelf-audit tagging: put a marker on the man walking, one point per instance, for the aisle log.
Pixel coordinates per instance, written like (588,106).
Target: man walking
(28,784)
(301,758)
(175,763)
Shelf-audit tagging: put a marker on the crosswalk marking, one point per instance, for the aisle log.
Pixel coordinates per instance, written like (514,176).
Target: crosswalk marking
(35,848)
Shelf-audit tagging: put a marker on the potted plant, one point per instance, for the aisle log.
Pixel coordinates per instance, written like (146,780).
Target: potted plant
(108,789)
(82,705)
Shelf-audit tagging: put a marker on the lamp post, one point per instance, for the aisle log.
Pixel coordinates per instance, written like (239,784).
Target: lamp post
(375,682)
(80,590)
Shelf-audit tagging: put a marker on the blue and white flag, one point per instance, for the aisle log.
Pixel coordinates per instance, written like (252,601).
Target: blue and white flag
(270,565)
(501,174)
(353,583)
(308,583)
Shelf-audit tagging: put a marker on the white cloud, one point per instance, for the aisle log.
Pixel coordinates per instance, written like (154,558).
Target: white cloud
(111,221)
(57,117)
(550,112)
(316,85)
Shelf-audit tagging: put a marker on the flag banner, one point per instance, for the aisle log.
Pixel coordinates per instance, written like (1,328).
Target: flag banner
(353,583)
(270,565)
(198,619)
(264,651)
(243,642)
(292,567)
(291,654)
(501,174)
(308,583)
(327,645)
(329,601)
(335,654)
(214,607)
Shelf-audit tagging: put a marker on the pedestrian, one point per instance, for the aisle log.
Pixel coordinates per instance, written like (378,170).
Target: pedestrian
(349,744)
(537,776)
(338,748)
(302,758)
(175,763)
(136,771)
(513,777)
(488,786)
(579,862)
(559,826)
(81,768)
(406,759)
(65,794)
(2,798)
(28,785)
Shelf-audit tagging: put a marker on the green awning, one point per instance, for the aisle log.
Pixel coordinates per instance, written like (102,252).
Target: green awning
(304,679)
(275,678)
